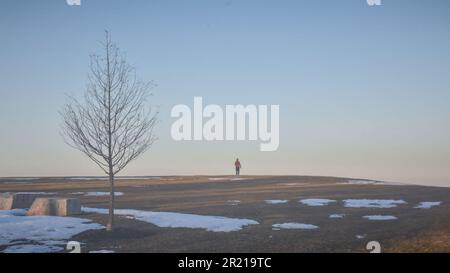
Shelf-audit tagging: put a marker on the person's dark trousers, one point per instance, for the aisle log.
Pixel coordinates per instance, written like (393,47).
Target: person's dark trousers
(237,171)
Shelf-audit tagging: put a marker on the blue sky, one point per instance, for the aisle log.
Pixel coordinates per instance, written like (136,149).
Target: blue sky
(363,91)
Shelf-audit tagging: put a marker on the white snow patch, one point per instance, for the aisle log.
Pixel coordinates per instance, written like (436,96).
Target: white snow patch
(226,178)
(294,226)
(181,220)
(380,217)
(34,192)
(25,178)
(372,203)
(218,178)
(138,178)
(39,233)
(37,192)
(18,180)
(13,212)
(427,205)
(292,184)
(361,182)
(335,216)
(316,202)
(369,182)
(234,202)
(85,178)
(88,178)
(103,193)
(29,248)
(276,201)
(102,251)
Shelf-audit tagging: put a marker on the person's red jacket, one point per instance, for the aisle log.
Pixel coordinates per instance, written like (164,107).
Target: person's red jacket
(237,164)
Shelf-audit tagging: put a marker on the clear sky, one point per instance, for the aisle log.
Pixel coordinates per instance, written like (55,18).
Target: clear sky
(363,91)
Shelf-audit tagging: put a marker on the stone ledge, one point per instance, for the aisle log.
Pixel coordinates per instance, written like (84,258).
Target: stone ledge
(55,207)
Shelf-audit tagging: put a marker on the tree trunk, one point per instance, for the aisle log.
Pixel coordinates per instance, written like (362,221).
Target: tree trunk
(110,164)
(110,225)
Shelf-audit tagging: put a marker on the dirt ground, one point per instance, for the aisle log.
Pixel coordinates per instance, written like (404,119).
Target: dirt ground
(415,230)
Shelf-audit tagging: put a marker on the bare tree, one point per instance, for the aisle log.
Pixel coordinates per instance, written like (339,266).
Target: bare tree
(112,126)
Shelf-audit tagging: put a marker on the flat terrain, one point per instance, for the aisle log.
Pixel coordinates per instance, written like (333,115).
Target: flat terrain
(412,229)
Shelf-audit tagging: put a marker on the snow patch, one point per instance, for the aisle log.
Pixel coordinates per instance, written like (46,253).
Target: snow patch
(37,192)
(427,205)
(102,251)
(23,178)
(89,178)
(369,182)
(138,178)
(85,178)
(294,226)
(276,201)
(336,216)
(180,220)
(13,212)
(39,233)
(226,178)
(372,203)
(234,202)
(361,182)
(103,193)
(218,178)
(29,248)
(380,217)
(292,184)
(316,202)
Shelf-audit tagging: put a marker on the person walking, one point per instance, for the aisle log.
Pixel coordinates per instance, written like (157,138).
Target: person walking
(237,164)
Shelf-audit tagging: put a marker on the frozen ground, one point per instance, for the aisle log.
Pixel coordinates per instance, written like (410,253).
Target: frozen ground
(192,214)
